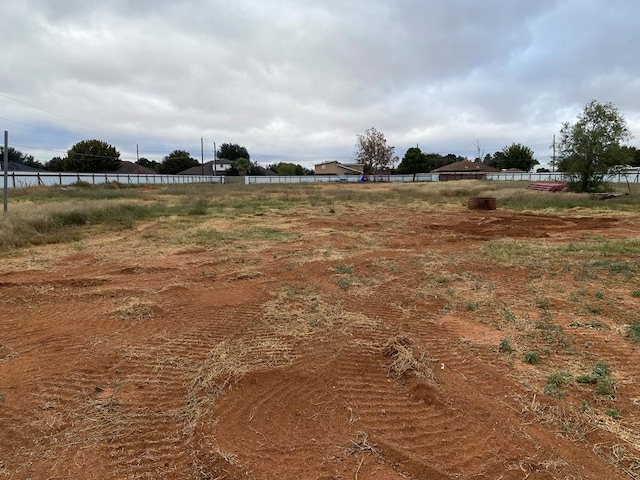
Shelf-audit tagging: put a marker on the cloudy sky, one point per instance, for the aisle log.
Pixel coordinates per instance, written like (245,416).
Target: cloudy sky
(296,80)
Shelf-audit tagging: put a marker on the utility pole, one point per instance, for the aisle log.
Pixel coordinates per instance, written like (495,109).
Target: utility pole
(215,154)
(553,158)
(6,167)
(137,160)
(202,154)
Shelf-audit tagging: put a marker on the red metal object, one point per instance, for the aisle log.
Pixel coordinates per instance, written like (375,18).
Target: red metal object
(547,186)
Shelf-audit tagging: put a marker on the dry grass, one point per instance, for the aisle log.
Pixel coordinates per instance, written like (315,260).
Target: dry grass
(134,309)
(403,361)
(577,425)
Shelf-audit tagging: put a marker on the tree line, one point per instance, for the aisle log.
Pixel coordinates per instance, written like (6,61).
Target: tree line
(588,150)
(97,156)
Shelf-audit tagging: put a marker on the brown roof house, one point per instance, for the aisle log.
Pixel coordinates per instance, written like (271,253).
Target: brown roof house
(127,168)
(220,168)
(464,170)
(336,168)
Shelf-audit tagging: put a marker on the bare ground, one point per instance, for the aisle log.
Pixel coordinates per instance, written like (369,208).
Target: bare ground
(356,343)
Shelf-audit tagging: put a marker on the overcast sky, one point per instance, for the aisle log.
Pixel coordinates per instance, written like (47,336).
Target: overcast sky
(297,80)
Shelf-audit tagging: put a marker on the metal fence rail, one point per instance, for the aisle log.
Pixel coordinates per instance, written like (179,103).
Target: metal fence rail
(32,179)
(429,177)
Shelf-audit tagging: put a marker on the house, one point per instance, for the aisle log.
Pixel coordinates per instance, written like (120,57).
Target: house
(336,168)
(18,167)
(464,170)
(221,166)
(129,168)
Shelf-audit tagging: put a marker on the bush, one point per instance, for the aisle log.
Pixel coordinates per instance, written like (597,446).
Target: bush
(531,358)
(505,346)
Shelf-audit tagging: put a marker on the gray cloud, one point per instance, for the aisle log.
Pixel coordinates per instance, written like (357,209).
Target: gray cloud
(300,81)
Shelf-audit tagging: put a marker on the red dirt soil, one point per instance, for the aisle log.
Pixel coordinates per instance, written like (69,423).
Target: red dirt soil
(283,358)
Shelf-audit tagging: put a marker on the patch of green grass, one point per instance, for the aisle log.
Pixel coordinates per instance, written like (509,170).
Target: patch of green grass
(62,222)
(627,247)
(471,306)
(543,304)
(344,283)
(508,315)
(605,386)
(531,358)
(635,293)
(344,269)
(505,346)
(613,413)
(593,269)
(633,331)
(552,390)
(558,378)
(600,378)
(199,207)
(594,309)
(554,382)
(207,236)
(507,251)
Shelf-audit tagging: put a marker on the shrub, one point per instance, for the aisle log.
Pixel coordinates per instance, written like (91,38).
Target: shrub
(634,331)
(552,390)
(531,358)
(605,386)
(505,346)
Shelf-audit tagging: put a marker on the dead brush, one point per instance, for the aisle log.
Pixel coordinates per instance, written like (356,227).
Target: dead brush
(403,362)
(224,366)
(362,445)
(134,309)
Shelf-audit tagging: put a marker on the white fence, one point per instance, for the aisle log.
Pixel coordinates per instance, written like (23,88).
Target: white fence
(30,179)
(434,177)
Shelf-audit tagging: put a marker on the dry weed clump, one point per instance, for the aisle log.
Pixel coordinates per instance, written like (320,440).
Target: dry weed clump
(577,425)
(403,362)
(134,309)
(301,315)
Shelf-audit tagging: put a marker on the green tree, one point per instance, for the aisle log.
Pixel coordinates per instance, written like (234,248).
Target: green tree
(589,149)
(517,156)
(373,152)
(633,154)
(145,162)
(176,162)
(56,164)
(232,152)
(490,161)
(284,168)
(241,166)
(414,161)
(16,156)
(91,156)
(442,160)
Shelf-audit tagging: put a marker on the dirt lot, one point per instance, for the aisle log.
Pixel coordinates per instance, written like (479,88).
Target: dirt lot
(350,342)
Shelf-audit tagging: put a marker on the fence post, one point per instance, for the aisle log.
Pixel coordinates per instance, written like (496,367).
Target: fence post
(5,162)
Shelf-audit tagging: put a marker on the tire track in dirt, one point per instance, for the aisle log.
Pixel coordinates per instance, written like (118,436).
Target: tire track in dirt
(414,426)
(430,426)
(262,432)
(621,355)
(153,400)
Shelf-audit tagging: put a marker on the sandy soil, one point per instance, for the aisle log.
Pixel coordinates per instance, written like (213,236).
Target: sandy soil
(328,344)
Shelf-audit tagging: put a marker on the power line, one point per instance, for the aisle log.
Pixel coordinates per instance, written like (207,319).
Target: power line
(53,113)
